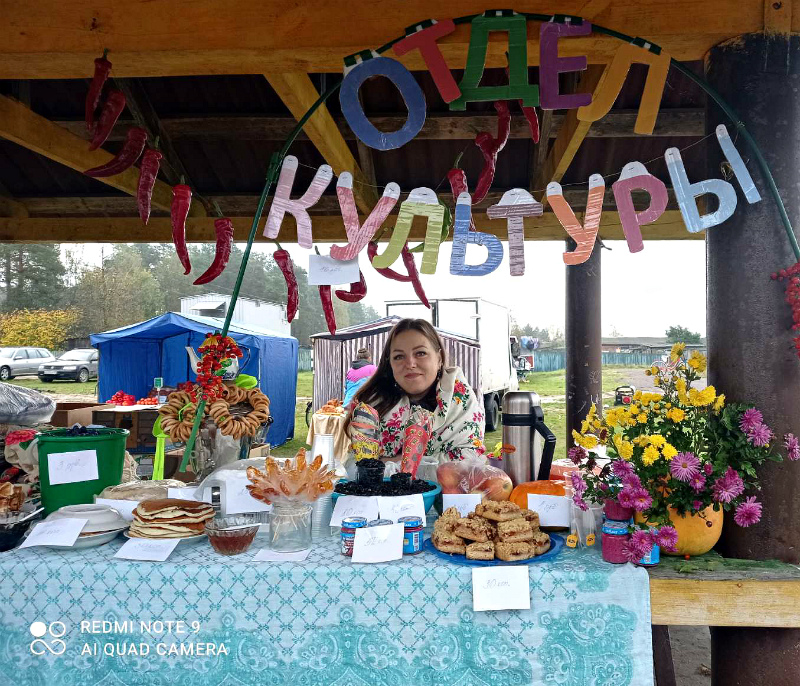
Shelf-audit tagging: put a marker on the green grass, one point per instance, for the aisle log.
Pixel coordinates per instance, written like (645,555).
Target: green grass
(305,386)
(71,387)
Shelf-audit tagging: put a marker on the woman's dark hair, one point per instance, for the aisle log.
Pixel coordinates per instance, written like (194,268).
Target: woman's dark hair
(381,391)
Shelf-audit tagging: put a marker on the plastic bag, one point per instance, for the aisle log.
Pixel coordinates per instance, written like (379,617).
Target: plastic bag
(24,406)
(474,476)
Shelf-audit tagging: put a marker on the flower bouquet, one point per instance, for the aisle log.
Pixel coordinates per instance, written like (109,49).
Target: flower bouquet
(682,453)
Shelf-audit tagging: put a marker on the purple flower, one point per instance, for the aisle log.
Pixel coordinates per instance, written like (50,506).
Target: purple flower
(603,487)
(631,552)
(750,419)
(580,502)
(697,504)
(642,500)
(748,512)
(577,454)
(643,540)
(578,484)
(708,468)
(760,435)
(792,444)
(667,538)
(622,469)
(684,466)
(697,482)
(631,481)
(626,498)
(728,486)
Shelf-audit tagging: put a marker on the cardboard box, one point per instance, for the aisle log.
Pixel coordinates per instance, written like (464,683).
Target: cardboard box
(138,422)
(67,414)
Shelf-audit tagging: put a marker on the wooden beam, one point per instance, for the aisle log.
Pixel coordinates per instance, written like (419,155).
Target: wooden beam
(24,127)
(299,94)
(60,38)
(673,123)
(778,17)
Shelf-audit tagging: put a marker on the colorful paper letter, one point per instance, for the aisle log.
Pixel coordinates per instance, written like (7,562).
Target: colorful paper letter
(518,87)
(420,202)
(635,176)
(423,37)
(462,236)
(613,78)
(737,164)
(281,204)
(354,113)
(514,205)
(358,235)
(551,65)
(585,235)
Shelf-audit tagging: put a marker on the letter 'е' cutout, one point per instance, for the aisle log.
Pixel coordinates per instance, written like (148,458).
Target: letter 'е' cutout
(551,65)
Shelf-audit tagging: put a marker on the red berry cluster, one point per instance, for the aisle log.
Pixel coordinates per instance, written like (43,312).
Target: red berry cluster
(215,349)
(792,298)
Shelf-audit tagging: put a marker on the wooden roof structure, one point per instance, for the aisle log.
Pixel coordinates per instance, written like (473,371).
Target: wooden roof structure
(223,88)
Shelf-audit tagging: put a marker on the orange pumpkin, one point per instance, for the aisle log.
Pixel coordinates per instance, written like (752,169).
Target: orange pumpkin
(695,536)
(519,495)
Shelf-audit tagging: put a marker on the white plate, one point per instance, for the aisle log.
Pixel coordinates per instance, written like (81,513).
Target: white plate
(100,517)
(90,541)
(181,541)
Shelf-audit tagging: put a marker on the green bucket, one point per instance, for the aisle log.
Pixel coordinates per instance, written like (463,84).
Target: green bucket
(109,445)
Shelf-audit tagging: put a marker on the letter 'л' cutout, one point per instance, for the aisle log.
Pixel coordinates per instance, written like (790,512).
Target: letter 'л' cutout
(423,37)
(420,202)
(635,176)
(586,235)
(462,236)
(354,113)
(551,65)
(357,235)
(685,194)
(281,204)
(514,205)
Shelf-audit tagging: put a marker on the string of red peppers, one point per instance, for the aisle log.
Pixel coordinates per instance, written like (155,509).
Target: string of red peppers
(792,297)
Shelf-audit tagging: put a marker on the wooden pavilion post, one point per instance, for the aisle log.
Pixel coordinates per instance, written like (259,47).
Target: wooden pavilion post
(751,356)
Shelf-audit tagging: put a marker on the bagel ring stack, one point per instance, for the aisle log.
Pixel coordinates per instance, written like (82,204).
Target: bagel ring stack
(237,427)
(178,426)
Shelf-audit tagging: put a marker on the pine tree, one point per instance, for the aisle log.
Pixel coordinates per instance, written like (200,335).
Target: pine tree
(31,276)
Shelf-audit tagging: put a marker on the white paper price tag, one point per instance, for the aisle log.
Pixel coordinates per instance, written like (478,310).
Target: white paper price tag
(147,549)
(60,532)
(267,555)
(238,498)
(501,588)
(354,506)
(398,506)
(323,270)
(124,507)
(378,543)
(463,502)
(187,493)
(553,509)
(69,468)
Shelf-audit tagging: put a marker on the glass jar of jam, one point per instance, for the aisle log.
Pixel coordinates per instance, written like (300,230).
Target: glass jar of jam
(349,526)
(412,535)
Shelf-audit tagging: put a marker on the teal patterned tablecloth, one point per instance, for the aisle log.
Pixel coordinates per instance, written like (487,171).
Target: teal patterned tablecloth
(324,621)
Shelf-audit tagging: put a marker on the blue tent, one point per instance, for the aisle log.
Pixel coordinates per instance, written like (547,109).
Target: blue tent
(131,357)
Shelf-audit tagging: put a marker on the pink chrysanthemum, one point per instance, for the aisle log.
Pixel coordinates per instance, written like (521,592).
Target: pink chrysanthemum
(603,487)
(630,552)
(760,435)
(626,497)
(748,512)
(642,500)
(792,444)
(750,419)
(697,482)
(728,486)
(667,538)
(708,468)
(577,454)
(684,466)
(622,469)
(631,481)
(643,540)
(580,502)
(697,504)
(578,484)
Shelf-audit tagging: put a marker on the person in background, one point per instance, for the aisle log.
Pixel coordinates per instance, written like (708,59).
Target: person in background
(360,370)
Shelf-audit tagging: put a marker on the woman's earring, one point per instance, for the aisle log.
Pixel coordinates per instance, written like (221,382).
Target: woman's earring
(439,374)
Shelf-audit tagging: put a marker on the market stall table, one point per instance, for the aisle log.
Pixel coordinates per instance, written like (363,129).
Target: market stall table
(321,621)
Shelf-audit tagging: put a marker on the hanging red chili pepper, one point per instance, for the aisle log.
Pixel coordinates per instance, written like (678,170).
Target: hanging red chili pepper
(135,141)
(148,172)
(490,146)
(284,261)
(224,229)
(112,108)
(327,308)
(181,201)
(411,277)
(102,68)
(533,121)
(358,289)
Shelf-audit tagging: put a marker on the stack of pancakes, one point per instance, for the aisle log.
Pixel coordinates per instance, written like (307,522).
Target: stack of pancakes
(170,518)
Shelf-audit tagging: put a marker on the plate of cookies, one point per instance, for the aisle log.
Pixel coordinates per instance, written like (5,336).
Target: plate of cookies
(495,533)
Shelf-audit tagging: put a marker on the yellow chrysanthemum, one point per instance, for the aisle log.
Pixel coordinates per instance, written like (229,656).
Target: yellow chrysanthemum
(680,384)
(654,370)
(617,440)
(626,450)
(676,414)
(697,361)
(641,418)
(702,398)
(633,409)
(719,403)
(668,405)
(587,441)
(650,455)
(657,406)
(677,351)
(584,426)
(657,440)
(637,396)
(669,451)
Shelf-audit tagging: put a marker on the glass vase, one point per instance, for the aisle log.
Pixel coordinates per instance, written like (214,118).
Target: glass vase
(290,527)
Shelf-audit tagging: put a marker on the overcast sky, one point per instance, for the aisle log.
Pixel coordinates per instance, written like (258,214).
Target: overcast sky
(643,293)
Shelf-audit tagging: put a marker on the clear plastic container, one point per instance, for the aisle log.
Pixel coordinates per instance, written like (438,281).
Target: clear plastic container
(290,527)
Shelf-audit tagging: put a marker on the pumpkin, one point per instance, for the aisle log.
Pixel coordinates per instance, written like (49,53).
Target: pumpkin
(695,536)
(519,495)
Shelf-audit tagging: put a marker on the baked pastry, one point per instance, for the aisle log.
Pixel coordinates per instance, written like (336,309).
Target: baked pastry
(498,511)
(11,497)
(472,530)
(512,552)
(448,543)
(480,551)
(514,531)
(540,543)
(531,517)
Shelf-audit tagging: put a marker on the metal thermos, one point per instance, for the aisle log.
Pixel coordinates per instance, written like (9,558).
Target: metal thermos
(524,430)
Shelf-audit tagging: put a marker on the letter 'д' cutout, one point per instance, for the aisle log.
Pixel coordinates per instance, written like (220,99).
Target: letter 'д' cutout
(462,236)
(354,113)
(282,204)
(584,236)
(357,235)
(423,37)
(551,65)
(420,202)
(635,175)
(685,194)
(514,205)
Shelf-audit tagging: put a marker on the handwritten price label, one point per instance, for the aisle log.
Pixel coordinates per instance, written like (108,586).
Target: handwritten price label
(323,270)
(553,509)
(70,468)
(378,543)
(395,507)
(354,506)
(238,498)
(463,502)
(58,532)
(501,588)
(147,549)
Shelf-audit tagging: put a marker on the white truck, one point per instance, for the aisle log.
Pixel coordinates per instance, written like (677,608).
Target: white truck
(480,320)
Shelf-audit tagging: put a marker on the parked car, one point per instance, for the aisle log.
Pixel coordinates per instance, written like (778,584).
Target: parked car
(21,361)
(79,365)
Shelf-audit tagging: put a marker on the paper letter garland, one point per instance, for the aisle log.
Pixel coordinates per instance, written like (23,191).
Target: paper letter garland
(423,37)
(613,78)
(518,87)
(737,164)
(585,235)
(686,192)
(423,202)
(462,236)
(635,175)
(551,65)
(514,205)
(357,235)
(281,204)
(405,83)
